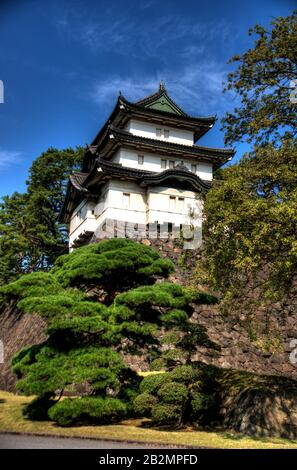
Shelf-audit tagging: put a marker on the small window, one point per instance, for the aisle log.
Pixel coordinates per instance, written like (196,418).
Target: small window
(166,134)
(172,203)
(126,200)
(180,204)
(194,168)
(78,214)
(158,132)
(164,164)
(171,164)
(140,159)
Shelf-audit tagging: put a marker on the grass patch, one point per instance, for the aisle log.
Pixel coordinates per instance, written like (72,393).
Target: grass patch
(11,420)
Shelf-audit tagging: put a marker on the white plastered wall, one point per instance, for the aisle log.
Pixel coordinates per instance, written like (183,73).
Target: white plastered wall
(173,205)
(146,129)
(152,162)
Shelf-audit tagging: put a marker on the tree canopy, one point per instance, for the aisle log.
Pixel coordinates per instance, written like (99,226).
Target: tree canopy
(31,237)
(100,302)
(250,212)
(263,84)
(251,220)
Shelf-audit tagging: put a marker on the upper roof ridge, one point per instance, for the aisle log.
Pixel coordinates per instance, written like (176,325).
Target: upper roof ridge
(159,99)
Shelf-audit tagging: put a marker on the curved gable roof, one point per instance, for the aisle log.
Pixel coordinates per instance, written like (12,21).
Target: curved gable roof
(161,101)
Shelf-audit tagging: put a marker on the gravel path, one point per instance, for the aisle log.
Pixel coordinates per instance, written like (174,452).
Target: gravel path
(13,441)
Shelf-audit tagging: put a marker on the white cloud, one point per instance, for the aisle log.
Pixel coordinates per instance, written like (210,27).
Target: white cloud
(8,157)
(197,88)
(126,35)
(187,53)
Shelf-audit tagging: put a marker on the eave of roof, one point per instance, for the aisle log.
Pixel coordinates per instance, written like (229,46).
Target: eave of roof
(104,170)
(114,137)
(74,192)
(159,178)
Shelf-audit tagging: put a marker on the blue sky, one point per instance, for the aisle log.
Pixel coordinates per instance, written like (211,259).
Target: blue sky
(63,63)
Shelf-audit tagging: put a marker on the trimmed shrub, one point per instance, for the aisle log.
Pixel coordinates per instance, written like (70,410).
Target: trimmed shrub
(87,409)
(174,356)
(173,392)
(152,383)
(201,402)
(184,374)
(158,364)
(143,404)
(166,413)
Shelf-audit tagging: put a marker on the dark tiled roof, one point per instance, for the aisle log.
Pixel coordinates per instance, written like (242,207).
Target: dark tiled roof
(145,177)
(207,120)
(181,175)
(77,178)
(220,154)
(120,169)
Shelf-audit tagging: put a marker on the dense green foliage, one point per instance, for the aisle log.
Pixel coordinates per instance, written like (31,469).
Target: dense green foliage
(251,212)
(263,83)
(115,266)
(79,410)
(92,320)
(251,221)
(31,237)
(187,394)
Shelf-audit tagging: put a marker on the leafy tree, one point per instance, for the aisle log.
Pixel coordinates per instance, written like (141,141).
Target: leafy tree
(92,321)
(250,213)
(31,237)
(251,221)
(263,83)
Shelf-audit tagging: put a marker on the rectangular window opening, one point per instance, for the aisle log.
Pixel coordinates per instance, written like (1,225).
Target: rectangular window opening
(126,200)
(181,202)
(140,159)
(194,168)
(172,203)
(171,164)
(163,164)
(158,132)
(166,134)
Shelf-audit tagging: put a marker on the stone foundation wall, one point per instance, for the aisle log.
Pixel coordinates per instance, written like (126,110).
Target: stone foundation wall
(257,342)
(253,335)
(17,330)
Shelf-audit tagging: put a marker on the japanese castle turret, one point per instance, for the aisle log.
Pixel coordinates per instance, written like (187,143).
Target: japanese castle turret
(143,174)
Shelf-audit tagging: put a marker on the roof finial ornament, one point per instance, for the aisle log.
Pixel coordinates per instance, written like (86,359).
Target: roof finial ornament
(162,86)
